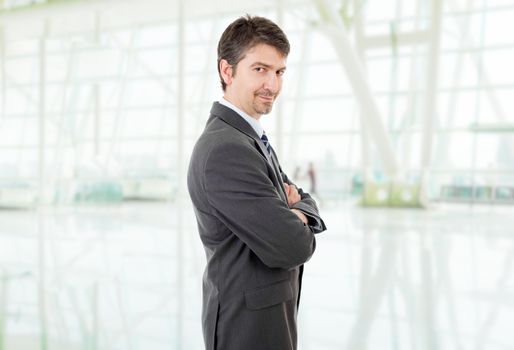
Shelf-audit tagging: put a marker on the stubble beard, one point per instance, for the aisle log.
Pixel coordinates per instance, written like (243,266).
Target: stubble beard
(263,107)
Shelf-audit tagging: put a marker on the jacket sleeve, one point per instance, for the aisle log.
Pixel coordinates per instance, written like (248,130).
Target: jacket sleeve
(244,199)
(307,205)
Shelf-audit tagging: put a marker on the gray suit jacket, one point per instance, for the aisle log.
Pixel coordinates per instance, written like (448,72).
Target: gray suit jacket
(255,245)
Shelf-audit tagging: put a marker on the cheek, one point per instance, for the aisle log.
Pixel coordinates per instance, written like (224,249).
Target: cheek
(259,85)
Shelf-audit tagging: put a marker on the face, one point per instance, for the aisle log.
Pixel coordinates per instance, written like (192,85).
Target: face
(257,81)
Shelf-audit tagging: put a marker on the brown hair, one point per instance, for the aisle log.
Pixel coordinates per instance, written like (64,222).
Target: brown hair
(244,34)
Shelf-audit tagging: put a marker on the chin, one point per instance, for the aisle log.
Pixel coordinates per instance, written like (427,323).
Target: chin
(263,109)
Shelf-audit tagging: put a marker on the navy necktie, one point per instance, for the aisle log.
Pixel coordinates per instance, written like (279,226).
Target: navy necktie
(264,139)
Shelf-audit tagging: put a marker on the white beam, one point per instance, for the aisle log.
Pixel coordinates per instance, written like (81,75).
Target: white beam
(41,285)
(431,88)
(336,32)
(96,122)
(467,41)
(296,121)
(3,307)
(123,85)
(181,173)
(367,173)
(279,110)
(180,96)
(443,138)
(41,114)
(206,78)
(493,127)
(2,72)
(410,111)
(96,92)
(400,39)
(21,90)
(42,281)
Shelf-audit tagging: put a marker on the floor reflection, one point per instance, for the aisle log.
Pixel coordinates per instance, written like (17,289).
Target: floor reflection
(128,277)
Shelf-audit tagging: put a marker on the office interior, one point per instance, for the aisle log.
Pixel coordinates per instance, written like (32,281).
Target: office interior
(402,109)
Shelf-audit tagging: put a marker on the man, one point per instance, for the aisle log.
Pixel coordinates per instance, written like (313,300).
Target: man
(256,226)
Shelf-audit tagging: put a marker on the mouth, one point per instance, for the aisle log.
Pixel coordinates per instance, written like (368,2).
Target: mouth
(266,98)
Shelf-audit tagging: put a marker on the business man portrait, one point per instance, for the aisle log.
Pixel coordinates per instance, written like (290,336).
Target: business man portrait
(258,229)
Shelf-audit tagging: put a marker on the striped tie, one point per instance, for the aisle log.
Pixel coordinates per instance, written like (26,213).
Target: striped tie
(264,139)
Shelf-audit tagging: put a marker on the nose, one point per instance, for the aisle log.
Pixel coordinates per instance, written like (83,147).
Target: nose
(272,82)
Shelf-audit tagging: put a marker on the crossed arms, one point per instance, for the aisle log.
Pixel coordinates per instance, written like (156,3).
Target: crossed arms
(245,200)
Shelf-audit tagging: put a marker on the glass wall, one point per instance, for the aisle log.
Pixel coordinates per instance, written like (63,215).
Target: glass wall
(93,113)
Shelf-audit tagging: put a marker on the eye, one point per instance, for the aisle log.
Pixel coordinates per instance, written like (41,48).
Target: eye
(280,72)
(259,69)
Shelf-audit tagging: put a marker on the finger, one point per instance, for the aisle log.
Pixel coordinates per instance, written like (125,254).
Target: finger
(292,199)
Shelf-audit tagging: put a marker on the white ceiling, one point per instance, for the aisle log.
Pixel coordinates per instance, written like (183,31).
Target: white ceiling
(81,15)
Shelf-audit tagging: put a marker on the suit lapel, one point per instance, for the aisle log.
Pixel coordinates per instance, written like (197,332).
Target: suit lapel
(276,167)
(235,120)
(231,117)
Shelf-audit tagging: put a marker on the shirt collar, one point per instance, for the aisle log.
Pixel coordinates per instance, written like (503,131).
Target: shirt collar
(254,123)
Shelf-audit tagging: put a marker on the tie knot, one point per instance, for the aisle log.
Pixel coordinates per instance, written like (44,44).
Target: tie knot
(265,140)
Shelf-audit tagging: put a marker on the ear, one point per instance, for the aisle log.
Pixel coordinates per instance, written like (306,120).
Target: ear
(226,72)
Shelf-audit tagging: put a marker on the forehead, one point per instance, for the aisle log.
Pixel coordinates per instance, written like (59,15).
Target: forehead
(265,54)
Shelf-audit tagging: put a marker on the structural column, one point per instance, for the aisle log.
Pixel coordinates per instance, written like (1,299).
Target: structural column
(431,90)
(181,176)
(336,33)
(42,190)
(2,72)
(279,119)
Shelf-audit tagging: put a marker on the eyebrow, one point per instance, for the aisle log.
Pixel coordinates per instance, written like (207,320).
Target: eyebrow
(266,65)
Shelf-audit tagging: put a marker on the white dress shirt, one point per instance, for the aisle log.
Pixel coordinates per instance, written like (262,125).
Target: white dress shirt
(254,123)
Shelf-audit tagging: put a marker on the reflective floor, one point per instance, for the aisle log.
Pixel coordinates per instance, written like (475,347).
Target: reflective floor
(128,277)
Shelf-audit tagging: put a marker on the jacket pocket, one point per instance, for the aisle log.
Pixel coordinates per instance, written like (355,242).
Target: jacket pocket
(267,296)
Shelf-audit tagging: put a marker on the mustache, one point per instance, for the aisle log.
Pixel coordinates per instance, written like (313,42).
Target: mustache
(266,93)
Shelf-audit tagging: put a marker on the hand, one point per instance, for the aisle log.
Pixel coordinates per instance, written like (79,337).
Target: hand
(300,215)
(292,194)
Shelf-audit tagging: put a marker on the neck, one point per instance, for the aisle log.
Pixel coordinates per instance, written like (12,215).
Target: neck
(236,103)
